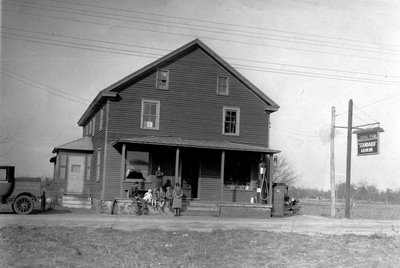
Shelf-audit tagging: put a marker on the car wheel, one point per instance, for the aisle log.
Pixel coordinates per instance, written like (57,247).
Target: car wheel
(23,205)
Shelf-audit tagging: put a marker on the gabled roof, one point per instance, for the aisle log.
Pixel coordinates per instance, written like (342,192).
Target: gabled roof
(113,89)
(204,144)
(82,144)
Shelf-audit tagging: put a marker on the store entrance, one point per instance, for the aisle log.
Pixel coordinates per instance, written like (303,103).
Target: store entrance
(190,174)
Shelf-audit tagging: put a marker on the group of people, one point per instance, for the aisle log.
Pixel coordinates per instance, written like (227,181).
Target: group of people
(158,199)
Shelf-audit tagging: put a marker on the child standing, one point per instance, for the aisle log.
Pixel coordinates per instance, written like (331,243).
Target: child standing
(168,197)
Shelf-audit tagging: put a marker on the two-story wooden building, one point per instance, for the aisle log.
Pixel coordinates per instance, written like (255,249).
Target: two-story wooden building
(189,113)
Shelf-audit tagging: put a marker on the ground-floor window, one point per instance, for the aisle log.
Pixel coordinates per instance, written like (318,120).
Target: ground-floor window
(137,165)
(240,172)
(237,171)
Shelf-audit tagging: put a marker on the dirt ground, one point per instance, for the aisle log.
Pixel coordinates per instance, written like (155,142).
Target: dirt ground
(74,238)
(304,224)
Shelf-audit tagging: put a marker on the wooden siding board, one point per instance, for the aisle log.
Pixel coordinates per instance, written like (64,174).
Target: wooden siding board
(191,108)
(210,189)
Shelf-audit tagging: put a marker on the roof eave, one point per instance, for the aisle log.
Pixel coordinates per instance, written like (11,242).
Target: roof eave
(103,95)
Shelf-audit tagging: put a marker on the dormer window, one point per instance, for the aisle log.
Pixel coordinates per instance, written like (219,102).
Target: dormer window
(222,85)
(162,79)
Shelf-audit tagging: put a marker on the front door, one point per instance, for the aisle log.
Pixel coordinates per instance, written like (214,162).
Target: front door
(76,171)
(190,175)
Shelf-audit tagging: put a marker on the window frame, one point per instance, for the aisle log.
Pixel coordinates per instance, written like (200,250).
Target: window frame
(98,164)
(158,105)
(146,173)
(93,125)
(237,110)
(226,92)
(158,80)
(101,119)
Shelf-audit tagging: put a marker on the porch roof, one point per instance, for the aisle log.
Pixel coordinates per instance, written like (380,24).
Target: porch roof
(204,144)
(82,144)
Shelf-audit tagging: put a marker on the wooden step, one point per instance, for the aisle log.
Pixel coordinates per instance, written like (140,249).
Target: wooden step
(76,202)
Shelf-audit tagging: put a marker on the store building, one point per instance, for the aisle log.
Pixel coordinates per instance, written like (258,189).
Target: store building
(189,113)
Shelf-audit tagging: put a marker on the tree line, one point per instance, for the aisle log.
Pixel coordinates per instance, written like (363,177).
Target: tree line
(358,192)
(285,172)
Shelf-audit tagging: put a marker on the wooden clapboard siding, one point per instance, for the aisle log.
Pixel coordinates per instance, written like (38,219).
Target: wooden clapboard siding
(210,189)
(190,109)
(238,195)
(210,176)
(91,185)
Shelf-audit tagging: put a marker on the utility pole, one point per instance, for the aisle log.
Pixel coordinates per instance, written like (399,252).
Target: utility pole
(333,186)
(348,162)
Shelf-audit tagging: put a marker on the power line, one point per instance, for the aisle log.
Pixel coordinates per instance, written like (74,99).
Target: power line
(193,36)
(360,109)
(188,26)
(374,102)
(317,75)
(48,89)
(294,132)
(153,56)
(167,50)
(212,23)
(360,118)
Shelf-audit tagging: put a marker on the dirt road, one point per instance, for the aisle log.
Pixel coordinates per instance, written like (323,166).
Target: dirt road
(300,224)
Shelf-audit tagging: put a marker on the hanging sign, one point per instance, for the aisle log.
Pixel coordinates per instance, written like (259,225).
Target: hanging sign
(368,141)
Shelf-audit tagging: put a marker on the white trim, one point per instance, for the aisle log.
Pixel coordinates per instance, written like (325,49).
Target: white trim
(237,110)
(157,126)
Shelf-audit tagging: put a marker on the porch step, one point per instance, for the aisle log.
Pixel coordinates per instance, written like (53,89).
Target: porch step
(76,202)
(198,208)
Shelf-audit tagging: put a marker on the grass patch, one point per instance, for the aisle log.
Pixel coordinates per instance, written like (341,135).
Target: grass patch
(107,247)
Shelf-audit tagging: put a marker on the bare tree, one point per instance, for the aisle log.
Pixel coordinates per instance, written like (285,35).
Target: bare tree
(284,171)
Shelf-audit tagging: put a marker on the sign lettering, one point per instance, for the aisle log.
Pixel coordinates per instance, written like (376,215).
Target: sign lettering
(368,147)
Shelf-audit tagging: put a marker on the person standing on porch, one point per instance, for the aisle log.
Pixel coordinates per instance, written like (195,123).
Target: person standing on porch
(177,199)
(160,178)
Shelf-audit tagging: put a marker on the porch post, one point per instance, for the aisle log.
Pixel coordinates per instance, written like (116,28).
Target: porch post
(121,183)
(270,175)
(222,175)
(177,166)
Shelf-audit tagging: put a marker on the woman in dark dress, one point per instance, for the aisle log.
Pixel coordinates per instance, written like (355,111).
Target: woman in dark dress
(177,199)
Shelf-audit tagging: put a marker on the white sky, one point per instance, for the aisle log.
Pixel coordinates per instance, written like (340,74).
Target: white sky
(306,55)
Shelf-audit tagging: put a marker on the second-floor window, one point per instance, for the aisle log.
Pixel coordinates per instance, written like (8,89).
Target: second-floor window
(222,85)
(101,119)
(150,114)
(162,79)
(93,125)
(231,121)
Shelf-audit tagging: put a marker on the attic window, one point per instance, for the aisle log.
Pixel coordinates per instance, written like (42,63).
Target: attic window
(162,79)
(222,85)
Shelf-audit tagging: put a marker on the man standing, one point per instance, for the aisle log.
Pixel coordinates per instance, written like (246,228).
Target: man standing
(160,178)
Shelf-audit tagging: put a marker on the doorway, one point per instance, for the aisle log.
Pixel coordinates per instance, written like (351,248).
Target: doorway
(76,171)
(190,174)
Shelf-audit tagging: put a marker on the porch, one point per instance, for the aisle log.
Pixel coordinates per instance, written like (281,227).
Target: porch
(125,206)
(208,171)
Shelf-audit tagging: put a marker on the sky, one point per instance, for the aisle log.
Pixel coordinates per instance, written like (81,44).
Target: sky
(307,55)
